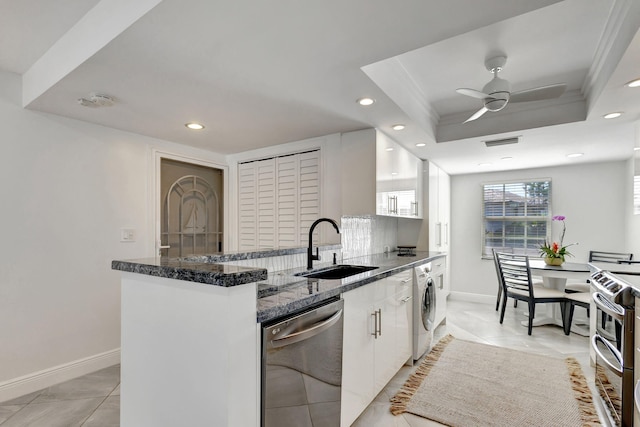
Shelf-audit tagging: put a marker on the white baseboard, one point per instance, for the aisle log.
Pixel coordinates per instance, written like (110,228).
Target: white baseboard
(46,378)
(469,297)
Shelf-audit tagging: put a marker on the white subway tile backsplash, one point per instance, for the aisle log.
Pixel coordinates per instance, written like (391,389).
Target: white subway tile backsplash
(359,235)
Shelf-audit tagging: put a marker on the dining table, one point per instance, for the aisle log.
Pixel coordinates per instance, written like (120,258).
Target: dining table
(556,277)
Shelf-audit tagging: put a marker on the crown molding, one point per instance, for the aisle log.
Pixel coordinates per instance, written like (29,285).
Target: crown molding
(404,91)
(621,27)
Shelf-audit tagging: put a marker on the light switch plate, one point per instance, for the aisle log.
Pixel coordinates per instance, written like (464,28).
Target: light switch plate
(127,235)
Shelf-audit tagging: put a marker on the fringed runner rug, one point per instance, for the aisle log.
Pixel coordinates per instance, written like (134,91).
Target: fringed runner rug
(466,384)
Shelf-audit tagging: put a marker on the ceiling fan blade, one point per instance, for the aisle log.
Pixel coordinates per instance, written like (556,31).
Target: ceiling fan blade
(472,93)
(477,114)
(538,93)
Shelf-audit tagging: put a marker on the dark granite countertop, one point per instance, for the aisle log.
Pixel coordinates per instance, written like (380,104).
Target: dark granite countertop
(283,293)
(191,271)
(205,268)
(280,293)
(263,253)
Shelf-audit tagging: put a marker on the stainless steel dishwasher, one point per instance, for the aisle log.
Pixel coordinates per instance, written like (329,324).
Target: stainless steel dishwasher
(302,368)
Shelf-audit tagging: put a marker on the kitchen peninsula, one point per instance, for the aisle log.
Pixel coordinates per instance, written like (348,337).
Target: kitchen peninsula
(191,331)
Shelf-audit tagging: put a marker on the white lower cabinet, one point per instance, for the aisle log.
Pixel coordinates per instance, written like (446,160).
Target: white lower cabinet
(377,340)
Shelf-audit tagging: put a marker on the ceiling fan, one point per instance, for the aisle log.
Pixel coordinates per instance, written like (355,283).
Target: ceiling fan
(497,93)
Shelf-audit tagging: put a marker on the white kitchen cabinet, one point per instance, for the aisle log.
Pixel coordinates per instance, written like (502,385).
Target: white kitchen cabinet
(377,340)
(439,209)
(379,176)
(441,280)
(440,218)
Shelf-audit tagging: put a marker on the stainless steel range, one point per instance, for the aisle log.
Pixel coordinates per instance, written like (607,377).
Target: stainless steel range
(613,343)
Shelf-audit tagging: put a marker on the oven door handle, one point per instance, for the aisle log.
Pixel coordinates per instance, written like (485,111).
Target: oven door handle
(597,297)
(614,351)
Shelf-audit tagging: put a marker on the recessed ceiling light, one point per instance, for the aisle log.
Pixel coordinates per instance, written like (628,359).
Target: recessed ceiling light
(390,149)
(484,164)
(575,155)
(397,127)
(506,158)
(636,148)
(366,101)
(612,115)
(420,144)
(634,83)
(194,126)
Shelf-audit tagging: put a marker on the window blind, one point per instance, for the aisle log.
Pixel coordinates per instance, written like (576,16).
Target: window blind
(516,216)
(636,194)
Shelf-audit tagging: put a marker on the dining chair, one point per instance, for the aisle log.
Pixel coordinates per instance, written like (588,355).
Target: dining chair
(500,285)
(613,257)
(598,256)
(517,284)
(582,299)
(536,282)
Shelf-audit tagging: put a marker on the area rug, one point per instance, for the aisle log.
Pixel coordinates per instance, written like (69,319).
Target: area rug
(465,384)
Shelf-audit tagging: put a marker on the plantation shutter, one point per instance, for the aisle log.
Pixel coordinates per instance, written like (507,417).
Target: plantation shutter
(288,201)
(309,194)
(266,203)
(285,192)
(247,212)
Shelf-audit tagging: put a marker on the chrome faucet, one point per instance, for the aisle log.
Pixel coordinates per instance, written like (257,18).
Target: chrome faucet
(310,256)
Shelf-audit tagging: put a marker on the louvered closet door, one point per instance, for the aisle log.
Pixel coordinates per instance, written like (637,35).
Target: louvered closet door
(288,201)
(298,197)
(278,201)
(266,203)
(309,194)
(247,212)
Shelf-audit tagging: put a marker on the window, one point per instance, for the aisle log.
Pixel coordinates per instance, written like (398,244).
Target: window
(636,194)
(516,216)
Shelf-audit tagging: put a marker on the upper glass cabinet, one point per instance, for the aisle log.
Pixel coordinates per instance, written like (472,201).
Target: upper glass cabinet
(398,180)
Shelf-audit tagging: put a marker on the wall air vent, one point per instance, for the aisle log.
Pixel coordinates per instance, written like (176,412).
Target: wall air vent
(505,141)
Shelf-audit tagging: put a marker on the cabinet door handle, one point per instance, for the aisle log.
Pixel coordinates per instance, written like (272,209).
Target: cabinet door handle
(405,299)
(377,323)
(438,233)
(446,233)
(406,280)
(392,204)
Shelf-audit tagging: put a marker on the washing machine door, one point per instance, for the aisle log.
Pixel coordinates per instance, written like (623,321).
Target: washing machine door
(428,306)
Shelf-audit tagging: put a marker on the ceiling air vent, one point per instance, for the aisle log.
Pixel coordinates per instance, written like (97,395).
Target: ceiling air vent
(505,141)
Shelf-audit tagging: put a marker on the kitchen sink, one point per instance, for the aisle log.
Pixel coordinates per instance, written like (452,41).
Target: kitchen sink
(337,271)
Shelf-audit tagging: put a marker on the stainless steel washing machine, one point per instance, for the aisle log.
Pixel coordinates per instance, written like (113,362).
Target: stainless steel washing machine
(424,310)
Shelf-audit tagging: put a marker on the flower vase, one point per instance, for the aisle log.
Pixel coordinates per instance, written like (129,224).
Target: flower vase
(553,261)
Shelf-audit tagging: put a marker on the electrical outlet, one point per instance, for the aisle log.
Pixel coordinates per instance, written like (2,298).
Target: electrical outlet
(127,235)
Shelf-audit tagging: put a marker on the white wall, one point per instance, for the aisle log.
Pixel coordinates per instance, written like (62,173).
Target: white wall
(593,197)
(633,221)
(67,188)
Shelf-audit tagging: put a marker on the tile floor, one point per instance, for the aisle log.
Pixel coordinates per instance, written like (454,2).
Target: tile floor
(94,399)
(481,323)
